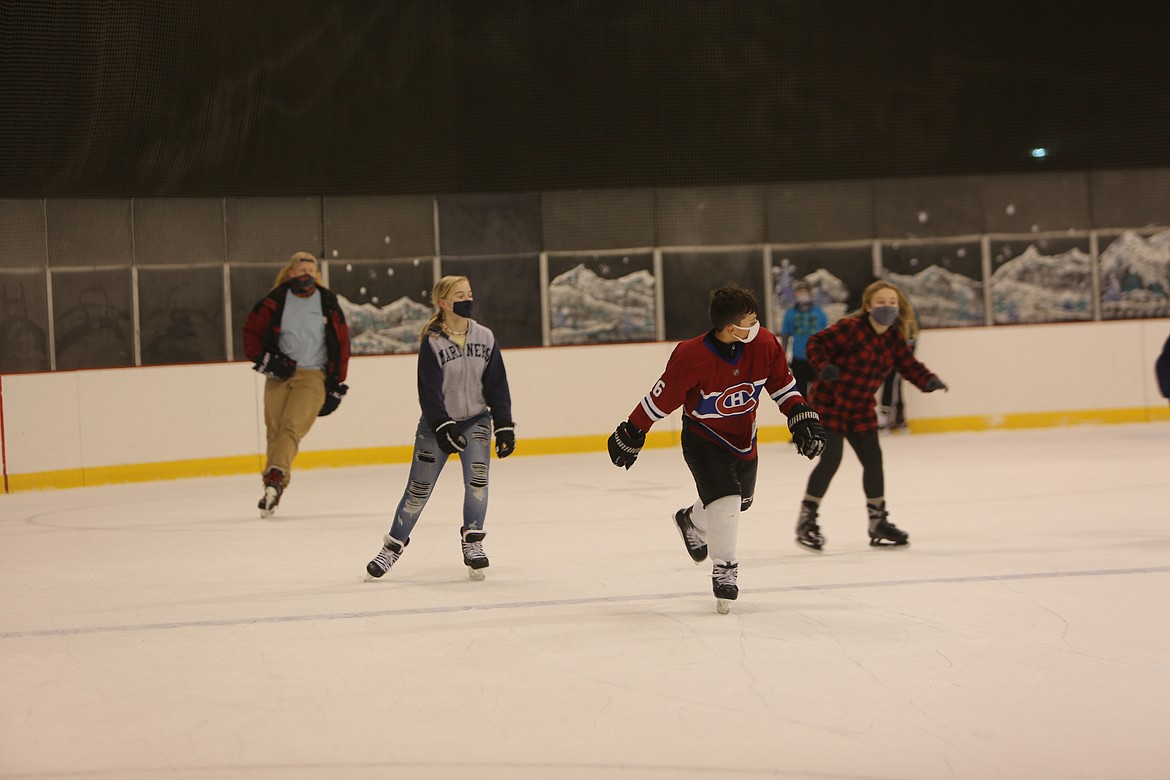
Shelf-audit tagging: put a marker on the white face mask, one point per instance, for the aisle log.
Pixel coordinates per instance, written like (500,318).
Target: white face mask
(752,331)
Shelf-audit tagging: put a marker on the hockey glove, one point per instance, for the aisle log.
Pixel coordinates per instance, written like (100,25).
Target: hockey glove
(807,433)
(625,443)
(830,373)
(276,365)
(934,383)
(334,392)
(450,439)
(505,439)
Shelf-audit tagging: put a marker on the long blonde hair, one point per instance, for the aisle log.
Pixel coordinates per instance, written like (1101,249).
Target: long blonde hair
(441,291)
(907,322)
(282,274)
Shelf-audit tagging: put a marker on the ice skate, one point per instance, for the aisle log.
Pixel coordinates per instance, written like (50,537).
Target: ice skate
(390,552)
(273,488)
(808,533)
(723,584)
(883,533)
(474,558)
(696,547)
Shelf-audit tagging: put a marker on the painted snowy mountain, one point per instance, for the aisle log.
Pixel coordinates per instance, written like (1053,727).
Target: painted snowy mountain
(942,298)
(384,330)
(824,281)
(830,292)
(586,308)
(1035,287)
(1135,276)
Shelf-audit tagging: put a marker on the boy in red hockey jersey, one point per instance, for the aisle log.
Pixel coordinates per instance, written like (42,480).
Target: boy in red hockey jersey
(718,379)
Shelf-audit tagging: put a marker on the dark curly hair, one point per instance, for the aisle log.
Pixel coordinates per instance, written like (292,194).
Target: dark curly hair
(729,305)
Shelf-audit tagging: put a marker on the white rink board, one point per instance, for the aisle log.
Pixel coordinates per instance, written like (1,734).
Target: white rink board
(116,417)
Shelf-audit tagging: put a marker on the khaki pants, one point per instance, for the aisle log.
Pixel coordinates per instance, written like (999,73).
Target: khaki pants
(290,409)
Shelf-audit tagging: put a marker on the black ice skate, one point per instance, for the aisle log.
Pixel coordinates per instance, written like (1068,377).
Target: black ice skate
(808,533)
(723,584)
(883,533)
(474,558)
(273,488)
(696,547)
(390,552)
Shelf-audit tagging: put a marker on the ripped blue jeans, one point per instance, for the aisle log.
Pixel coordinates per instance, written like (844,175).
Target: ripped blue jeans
(428,462)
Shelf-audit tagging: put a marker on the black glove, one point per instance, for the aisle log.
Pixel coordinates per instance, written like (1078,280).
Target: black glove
(934,383)
(625,443)
(505,439)
(807,433)
(276,365)
(450,439)
(830,373)
(333,394)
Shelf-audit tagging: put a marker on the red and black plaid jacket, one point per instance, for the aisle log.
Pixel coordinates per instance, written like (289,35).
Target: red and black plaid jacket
(865,359)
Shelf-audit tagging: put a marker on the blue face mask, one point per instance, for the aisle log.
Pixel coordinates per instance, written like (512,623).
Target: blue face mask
(462,308)
(884,315)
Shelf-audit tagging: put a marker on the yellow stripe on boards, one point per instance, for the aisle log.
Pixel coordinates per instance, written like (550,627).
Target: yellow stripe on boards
(365,456)
(559,445)
(44,480)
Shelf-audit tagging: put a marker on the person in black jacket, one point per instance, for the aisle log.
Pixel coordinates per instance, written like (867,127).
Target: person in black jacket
(1162,370)
(297,337)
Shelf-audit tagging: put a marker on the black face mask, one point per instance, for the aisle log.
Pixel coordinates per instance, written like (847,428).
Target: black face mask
(462,308)
(302,285)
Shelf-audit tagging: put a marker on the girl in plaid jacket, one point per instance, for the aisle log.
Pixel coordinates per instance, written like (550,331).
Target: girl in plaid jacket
(850,360)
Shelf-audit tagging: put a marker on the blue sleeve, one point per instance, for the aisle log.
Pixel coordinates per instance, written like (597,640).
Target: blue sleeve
(430,385)
(822,319)
(495,388)
(786,326)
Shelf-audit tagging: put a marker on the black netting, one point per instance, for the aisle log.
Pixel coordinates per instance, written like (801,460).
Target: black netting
(688,278)
(581,161)
(181,314)
(423,96)
(24,321)
(93,318)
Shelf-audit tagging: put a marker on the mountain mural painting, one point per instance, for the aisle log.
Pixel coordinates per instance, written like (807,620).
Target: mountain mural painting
(1035,287)
(384,330)
(1135,276)
(942,298)
(586,308)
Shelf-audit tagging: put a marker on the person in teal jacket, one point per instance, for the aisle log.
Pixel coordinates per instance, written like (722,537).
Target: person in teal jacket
(801,321)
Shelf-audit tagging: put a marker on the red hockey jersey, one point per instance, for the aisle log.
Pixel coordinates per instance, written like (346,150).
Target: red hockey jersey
(720,388)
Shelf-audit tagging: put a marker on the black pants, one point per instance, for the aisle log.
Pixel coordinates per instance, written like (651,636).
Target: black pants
(892,399)
(717,472)
(869,452)
(802,372)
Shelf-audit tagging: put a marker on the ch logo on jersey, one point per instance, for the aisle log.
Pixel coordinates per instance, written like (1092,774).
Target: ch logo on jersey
(735,400)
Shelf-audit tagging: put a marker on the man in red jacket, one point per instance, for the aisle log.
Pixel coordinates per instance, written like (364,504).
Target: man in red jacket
(297,337)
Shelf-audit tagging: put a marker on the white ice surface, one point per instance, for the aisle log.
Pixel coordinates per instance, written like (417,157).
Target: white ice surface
(165,630)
